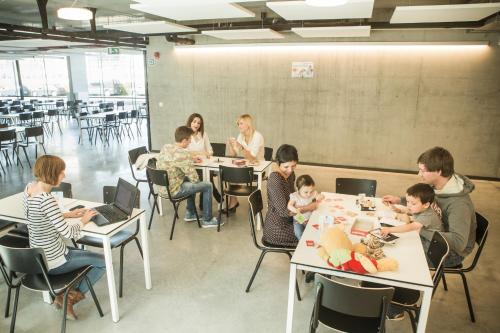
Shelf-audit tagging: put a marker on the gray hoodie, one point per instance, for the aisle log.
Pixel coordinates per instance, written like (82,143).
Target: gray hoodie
(459,217)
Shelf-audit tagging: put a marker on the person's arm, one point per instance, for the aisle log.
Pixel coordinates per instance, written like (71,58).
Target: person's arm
(414,226)
(53,213)
(184,162)
(208,147)
(391,199)
(291,206)
(278,195)
(459,222)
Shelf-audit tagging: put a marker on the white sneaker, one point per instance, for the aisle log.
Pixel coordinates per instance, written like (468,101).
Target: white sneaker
(189,217)
(211,223)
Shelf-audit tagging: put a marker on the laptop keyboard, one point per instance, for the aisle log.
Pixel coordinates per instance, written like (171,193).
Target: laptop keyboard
(110,213)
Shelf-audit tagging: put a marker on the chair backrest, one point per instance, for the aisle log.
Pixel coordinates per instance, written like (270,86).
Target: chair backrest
(268,153)
(122,115)
(355,186)
(255,211)
(59,104)
(134,114)
(108,196)
(135,153)
(120,103)
(38,114)
(65,188)
(25,116)
(23,260)
(52,113)
(8,135)
(437,252)
(4,110)
(157,177)
(351,300)
(219,149)
(236,174)
(481,235)
(4,125)
(110,117)
(30,132)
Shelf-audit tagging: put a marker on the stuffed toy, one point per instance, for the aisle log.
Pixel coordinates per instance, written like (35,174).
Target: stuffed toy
(339,252)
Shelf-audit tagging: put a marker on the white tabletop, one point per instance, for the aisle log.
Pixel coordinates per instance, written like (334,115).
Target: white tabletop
(214,162)
(408,250)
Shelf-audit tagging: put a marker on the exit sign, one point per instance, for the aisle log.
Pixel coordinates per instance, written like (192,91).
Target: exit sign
(113,50)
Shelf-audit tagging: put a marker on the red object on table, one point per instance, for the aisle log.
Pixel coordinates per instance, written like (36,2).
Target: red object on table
(315,226)
(309,242)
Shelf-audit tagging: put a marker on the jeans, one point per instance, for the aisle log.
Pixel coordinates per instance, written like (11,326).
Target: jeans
(453,259)
(78,258)
(298,229)
(214,189)
(188,188)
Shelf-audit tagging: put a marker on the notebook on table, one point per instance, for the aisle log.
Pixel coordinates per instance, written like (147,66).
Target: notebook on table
(121,208)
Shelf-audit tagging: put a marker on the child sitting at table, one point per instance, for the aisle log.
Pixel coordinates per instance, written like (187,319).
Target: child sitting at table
(420,214)
(300,203)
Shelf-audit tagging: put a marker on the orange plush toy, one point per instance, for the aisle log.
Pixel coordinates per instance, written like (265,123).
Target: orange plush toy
(338,251)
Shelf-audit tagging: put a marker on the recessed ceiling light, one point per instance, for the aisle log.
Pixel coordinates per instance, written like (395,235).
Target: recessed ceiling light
(74,13)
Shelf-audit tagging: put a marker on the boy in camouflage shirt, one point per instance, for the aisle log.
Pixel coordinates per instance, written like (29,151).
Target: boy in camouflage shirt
(182,177)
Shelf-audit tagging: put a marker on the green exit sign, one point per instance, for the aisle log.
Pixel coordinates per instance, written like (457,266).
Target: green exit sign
(113,50)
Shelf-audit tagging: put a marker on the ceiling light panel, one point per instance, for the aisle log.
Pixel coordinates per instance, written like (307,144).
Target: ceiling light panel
(298,10)
(244,34)
(31,43)
(444,13)
(192,12)
(318,32)
(152,27)
(189,2)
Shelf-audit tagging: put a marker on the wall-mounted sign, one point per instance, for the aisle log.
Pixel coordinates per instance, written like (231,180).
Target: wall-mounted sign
(151,61)
(303,69)
(113,50)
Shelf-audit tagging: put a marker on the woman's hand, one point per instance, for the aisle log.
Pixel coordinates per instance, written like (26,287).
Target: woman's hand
(384,231)
(75,213)
(87,216)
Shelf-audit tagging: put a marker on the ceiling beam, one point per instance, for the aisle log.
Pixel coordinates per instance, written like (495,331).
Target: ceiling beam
(42,8)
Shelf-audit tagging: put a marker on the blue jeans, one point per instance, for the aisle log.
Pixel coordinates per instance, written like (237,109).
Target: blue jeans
(78,258)
(453,259)
(298,229)
(188,188)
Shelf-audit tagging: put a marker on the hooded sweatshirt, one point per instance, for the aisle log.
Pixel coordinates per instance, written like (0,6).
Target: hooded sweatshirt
(459,217)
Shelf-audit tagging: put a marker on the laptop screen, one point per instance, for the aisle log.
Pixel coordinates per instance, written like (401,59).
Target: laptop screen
(125,196)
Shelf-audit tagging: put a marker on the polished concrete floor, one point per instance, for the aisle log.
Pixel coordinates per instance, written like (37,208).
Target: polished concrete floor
(199,277)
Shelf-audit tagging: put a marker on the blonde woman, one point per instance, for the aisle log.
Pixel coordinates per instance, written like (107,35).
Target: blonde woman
(200,147)
(249,144)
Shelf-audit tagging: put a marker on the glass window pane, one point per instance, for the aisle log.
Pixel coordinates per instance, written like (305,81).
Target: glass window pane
(8,78)
(56,70)
(94,74)
(33,77)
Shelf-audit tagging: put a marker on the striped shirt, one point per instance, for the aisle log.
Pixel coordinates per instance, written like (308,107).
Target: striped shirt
(46,226)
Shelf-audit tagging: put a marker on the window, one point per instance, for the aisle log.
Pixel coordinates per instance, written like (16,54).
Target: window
(44,76)
(8,78)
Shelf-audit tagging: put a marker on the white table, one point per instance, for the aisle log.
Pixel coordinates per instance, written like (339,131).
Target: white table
(11,209)
(413,272)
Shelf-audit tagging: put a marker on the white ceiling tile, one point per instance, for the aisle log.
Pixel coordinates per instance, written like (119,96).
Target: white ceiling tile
(33,43)
(348,31)
(183,12)
(444,13)
(189,2)
(151,27)
(244,34)
(298,10)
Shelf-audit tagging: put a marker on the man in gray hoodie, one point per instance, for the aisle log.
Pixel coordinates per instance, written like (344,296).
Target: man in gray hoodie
(436,168)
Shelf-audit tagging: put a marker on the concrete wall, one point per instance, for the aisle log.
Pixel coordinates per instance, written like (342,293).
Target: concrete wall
(366,106)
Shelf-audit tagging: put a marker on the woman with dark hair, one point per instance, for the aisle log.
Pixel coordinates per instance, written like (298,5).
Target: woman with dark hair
(278,226)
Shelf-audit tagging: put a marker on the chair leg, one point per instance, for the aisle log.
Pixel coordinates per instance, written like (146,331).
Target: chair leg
(152,213)
(14,311)
(412,321)
(198,217)
(94,297)
(120,293)
(445,286)
(138,246)
(297,290)
(26,155)
(65,310)
(467,295)
(173,221)
(9,292)
(262,254)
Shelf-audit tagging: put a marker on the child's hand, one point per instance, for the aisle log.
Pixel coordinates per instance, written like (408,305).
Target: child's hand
(403,218)
(320,197)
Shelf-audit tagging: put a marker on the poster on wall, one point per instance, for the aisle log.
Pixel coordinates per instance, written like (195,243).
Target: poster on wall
(303,69)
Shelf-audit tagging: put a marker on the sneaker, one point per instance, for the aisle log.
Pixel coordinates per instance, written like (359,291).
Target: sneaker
(211,223)
(190,217)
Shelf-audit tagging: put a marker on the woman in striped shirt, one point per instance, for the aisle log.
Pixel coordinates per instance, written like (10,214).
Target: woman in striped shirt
(47,226)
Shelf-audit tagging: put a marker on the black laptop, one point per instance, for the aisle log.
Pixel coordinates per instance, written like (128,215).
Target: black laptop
(121,208)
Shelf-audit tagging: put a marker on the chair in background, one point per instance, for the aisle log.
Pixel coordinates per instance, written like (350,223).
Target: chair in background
(15,242)
(255,212)
(124,124)
(355,186)
(407,299)
(349,308)
(35,133)
(31,265)
(268,153)
(8,140)
(481,235)
(236,182)
(133,155)
(120,104)
(38,118)
(160,178)
(134,118)
(219,149)
(52,118)
(25,119)
(121,238)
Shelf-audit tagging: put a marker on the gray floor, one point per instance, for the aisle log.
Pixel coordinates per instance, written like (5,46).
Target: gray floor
(199,278)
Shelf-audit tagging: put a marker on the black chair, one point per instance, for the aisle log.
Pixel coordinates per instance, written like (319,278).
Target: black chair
(65,188)
(355,186)
(160,178)
(8,139)
(124,124)
(219,149)
(255,212)
(120,104)
(16,242)
(3,125)
(133,155)
(52,118)
(481,235)
(236,182)
(121,238)
(38,118)
(31,265)
(407,299)
(349,308)
(109,127)
(25,119)
(268,153)
(134,118)
(37,134)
